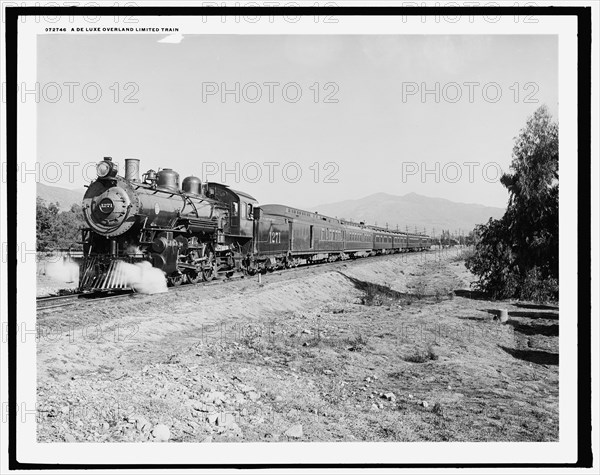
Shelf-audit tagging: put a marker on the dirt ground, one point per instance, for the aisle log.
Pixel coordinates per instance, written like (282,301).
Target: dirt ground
(392,348)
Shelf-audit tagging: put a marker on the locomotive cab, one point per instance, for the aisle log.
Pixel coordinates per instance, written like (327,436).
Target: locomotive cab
(241,208)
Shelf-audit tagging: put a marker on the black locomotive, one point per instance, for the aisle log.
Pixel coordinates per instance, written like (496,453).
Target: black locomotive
(196,231)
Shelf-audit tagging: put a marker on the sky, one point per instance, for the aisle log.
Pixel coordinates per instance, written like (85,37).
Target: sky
(361,125)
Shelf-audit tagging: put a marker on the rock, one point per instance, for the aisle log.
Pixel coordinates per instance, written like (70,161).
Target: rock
(438,409)
(70,438)
(207,440)
(374,407)
(375,376)
(246,389)
(367,379)
(278,399)
(237,431)
(64,409)
(410,396)
(105,425)
(142,424)
(225,419)
(212,417)
(213,397)
(295,431)
(390,396)
(306,332)
(161,433)
(449,387)
(254,396)
(425,404)
(202,407)
(239,398)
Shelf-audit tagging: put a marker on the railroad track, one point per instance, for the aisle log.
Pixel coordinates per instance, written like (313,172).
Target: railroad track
(48,303)
(53,302)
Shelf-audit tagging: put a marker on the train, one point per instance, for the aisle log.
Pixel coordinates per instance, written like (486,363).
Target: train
(196,231)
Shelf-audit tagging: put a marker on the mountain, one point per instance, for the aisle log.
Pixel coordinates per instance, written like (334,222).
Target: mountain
(412,210)
(409,210)
(63,196)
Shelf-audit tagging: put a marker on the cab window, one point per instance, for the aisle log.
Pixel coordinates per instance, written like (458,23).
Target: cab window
(250,212)
(234,209)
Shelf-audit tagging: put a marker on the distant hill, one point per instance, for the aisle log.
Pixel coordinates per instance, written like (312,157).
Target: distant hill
(63,196)
(409,210)
(412,210)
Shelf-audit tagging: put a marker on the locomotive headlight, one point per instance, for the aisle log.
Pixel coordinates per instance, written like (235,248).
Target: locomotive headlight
(103,169)
(107,168)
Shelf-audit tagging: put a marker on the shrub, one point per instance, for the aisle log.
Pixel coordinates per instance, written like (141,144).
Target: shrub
(422,356)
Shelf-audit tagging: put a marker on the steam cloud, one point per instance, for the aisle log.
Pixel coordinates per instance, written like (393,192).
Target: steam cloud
(142,277)
(63,270)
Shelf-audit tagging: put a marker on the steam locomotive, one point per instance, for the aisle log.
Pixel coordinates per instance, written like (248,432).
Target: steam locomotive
(196,231)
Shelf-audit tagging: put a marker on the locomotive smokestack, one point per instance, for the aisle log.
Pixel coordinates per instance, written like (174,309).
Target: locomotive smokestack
(132,169)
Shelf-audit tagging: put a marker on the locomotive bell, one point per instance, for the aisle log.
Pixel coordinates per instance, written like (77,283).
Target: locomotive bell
(168,178)
(192,184)
(149,177)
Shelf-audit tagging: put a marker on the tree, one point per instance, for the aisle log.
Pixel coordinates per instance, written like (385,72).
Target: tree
(45,217)
(517,255)
(57,229)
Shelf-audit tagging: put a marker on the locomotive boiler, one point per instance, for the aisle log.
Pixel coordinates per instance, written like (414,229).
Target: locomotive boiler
(179,229)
